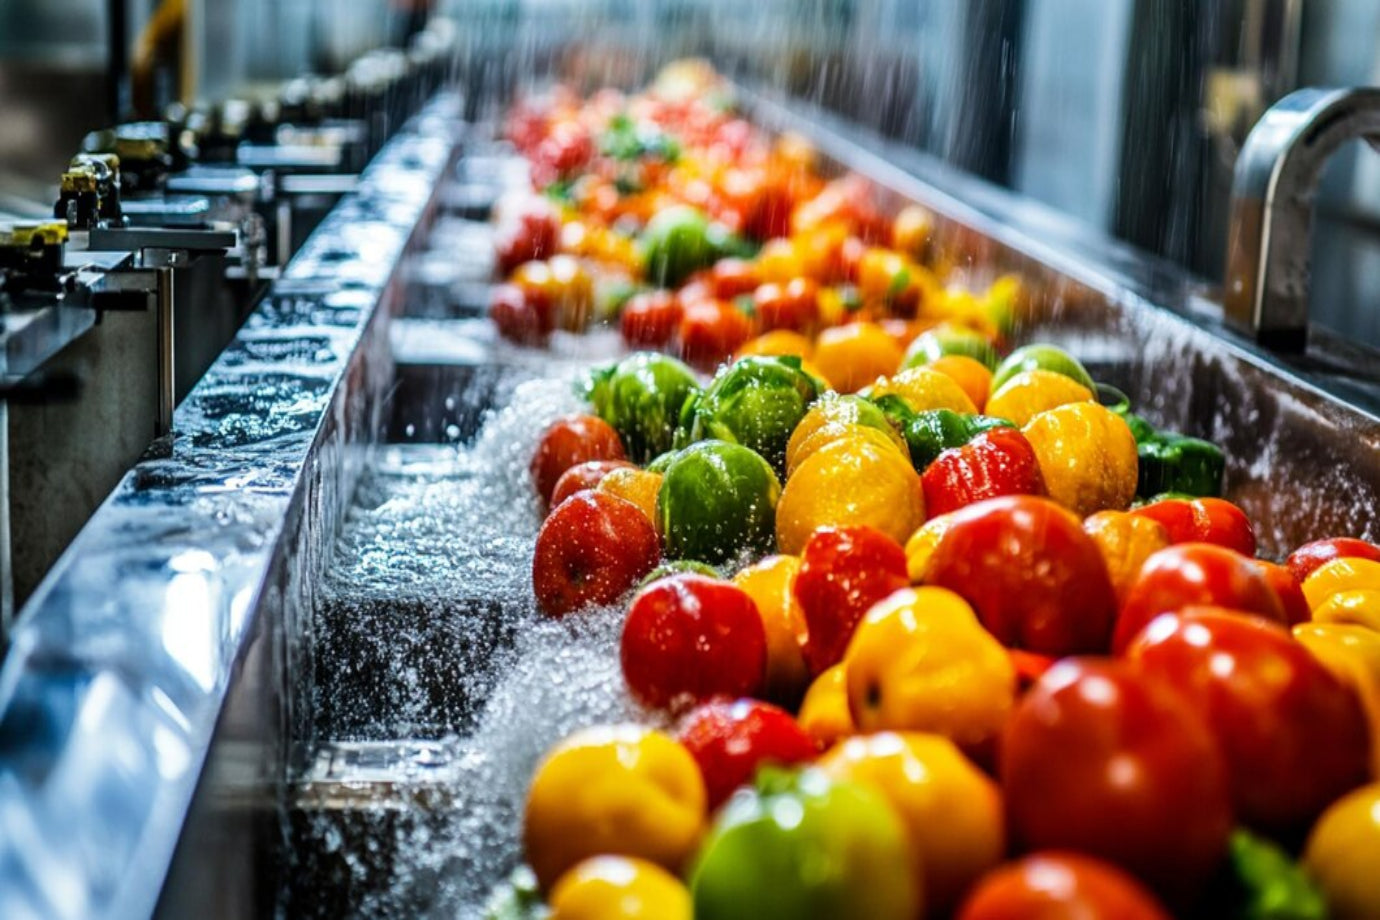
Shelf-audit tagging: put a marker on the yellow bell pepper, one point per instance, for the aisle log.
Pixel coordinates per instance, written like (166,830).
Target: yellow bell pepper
(623,790)
(824,713)
(618,888)
(1343,855)
(1029,393)
(1087,456)
(1341,575)
(1360,606)
(1352,654)
(923,389)
(921,661)
(920,546)
(1125,540)
(771,585)
(951,810)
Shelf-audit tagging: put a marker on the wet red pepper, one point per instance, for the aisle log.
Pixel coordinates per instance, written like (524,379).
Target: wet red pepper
(995,463)
(1203,520)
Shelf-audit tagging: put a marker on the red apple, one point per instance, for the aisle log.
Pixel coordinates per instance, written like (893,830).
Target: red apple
(583,476)
(570,441)
(1304,560)
(689,638)
(530,232)
(1294,737)
(591,550)
(731,740)
(1099,757)
(996,462)
(843,572)
(1036,580)
(1194,573)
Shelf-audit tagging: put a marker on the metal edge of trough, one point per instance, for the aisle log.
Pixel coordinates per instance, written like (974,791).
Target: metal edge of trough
(120,665)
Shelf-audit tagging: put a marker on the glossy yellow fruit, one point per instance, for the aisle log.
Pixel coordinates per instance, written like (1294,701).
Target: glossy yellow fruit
(853,355)
(951,811)
(824,714)
(969,373)
(923,389)
(1358,606)
(771,585)
(1125,541)
(633,485)
(623,790)
(830,409)
(920,546)
(1087,456)
(1029,393)
(852,481)
(779,261)
(778,342)
(911,231)
(1339,575)
(1343,855)
(1352,653)
(921,661)
(618,888)
(836,431)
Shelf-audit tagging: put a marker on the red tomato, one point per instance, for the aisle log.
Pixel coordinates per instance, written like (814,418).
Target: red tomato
(1036,580)
(1060,886)
(1288,589)
(1203,520)
(1294,737)
(794,305)
(650,319)
(590,551)
(518,318)
(583,476)
(1310,556)
(843,572)
(1194,573)
(996,462)
(732,278)
(569,441)
(731,740)
(1101,758)
(710,332)
(689,638)
(567,147)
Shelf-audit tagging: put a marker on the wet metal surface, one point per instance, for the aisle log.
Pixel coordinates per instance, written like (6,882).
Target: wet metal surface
(121,663)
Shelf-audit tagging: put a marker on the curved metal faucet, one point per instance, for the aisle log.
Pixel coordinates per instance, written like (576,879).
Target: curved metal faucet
(1276,180)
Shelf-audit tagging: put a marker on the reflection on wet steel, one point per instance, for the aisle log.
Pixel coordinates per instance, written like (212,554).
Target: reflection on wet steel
(121,662)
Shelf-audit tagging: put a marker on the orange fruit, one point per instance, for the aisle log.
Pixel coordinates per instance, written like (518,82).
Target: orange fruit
(852,356)
(771,585)
(1125,541)
(851,481)
(968,373)
(1087,456)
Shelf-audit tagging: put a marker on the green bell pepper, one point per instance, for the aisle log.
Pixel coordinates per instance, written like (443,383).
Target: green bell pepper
(642,397)
(756,402)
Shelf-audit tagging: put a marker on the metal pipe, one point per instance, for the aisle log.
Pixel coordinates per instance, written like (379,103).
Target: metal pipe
(1273,189)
